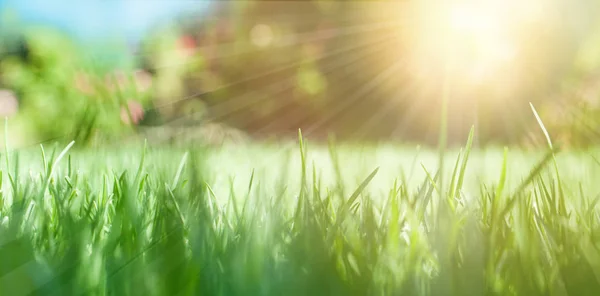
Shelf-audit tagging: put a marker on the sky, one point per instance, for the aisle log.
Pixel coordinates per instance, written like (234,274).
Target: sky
(93,19)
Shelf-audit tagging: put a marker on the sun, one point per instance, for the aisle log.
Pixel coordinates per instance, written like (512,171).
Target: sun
(479,38)
(486,29)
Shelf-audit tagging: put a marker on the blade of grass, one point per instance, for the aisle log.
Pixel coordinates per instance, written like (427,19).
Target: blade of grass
(347,205)
(532,175)
(463,167)
(179,170)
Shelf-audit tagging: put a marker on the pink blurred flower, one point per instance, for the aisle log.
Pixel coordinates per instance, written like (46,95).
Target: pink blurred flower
(9,105)
(135,110)
(186,45)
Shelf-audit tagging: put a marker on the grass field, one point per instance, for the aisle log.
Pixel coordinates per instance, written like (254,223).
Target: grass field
(301,220)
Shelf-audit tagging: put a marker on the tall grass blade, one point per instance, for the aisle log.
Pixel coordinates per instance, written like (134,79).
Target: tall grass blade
(345,208)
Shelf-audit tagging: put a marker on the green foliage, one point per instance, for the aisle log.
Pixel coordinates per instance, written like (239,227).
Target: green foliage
(61,92)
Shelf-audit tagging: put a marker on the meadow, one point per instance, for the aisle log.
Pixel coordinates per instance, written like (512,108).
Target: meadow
(143,202)
(297,219)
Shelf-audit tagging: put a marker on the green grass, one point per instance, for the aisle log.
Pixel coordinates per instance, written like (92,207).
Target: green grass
(264,220)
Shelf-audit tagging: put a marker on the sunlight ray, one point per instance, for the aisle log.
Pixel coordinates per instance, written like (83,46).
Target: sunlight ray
(227,50)
(269,72)
(284,115)
(224,111)
(389,106)
(360,92)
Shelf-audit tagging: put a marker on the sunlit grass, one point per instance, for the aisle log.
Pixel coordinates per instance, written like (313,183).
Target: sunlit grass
(262,220)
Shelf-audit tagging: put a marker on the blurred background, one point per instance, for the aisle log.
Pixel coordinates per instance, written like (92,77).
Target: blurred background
(106,71)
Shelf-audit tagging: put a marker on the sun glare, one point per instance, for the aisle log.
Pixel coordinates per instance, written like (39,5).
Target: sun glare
(480,30)
(473,20)
(479,38)
(486,29)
